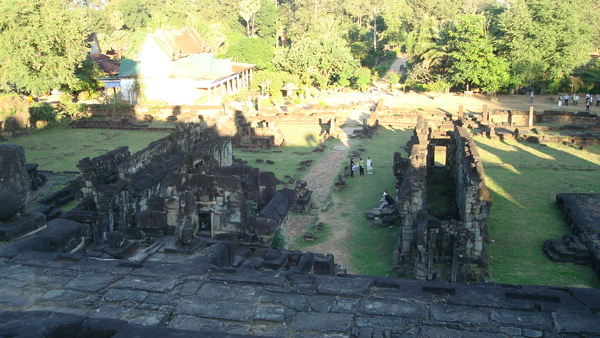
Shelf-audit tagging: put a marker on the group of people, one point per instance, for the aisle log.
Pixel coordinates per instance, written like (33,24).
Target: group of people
(386,200)
(589,100)
(360,166)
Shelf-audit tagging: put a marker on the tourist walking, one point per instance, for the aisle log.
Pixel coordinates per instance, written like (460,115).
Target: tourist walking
(352,167)
(587,103)
(576,99)
(369,166)
(560,101)
(566,99)
(361,167)
(531,97)
(597,100)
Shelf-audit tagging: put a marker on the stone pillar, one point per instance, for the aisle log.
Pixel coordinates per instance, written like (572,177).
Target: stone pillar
(460,112)
(530,122)
(486,114)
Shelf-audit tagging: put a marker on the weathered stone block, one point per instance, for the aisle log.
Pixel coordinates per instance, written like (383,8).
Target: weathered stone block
(393,308)
(324,264)
(16,184)
(17,228)
(322,322)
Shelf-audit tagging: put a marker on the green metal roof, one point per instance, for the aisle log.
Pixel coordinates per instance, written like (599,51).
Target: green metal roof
(129,68)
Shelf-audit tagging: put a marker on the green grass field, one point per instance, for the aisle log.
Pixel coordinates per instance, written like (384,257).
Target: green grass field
(372,248)
(60,149)
(524,179)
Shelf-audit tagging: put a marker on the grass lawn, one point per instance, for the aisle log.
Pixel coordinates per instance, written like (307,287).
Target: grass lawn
(300,146)
(60,149)
(524,179)
(371,249)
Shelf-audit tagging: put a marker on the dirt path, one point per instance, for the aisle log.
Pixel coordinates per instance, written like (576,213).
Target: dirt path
(320,180)
(399,65)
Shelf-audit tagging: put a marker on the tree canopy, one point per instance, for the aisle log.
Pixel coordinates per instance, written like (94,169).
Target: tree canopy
(490,44)
(43,41)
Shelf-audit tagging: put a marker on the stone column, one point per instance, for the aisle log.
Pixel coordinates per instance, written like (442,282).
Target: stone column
(530,122)
(486,114)
(460,112)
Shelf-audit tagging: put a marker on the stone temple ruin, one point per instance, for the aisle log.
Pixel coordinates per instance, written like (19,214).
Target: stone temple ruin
(425,239)
(582,216)
(427,244)
(174,241)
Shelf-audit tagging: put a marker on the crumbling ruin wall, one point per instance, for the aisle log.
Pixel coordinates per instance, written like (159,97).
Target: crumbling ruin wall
(405,118)
(473,199)
(426,240)
(582,216)
(180,185)
(117,186)
(509,117)
(563,117)
(411,175)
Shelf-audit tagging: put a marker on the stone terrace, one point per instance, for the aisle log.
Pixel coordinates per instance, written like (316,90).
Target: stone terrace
(107,298)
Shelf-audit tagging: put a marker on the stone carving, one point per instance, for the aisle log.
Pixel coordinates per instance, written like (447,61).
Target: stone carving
(15,183)
(187,222)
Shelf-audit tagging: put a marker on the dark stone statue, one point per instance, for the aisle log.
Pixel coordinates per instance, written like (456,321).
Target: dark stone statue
(14,181)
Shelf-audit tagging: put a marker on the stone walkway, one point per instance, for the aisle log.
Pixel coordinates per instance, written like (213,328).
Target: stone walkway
(323,174)
(53,295)
(320,180)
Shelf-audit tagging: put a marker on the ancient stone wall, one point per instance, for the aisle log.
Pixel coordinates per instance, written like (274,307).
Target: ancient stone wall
(404,117)
(509,117)
(473,198)
(411,176)
(426,240)
(581,212)
(579,118)
(139,194)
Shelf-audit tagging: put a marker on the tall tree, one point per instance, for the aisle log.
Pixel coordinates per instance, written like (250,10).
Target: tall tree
(248,9)
(318,61)
(472,59)
(42,43)
(266,21)
(545,39)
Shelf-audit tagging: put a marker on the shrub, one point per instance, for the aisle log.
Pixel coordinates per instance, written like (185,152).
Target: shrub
(72,109)
(43,111)
(278,240)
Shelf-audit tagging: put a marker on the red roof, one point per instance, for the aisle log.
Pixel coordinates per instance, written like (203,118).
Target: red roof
(180,43)
(106,64)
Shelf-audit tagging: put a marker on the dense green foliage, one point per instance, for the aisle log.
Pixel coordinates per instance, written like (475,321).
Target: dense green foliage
(42,43)
(486,44)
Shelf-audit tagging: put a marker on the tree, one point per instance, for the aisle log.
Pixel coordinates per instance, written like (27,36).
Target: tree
(266,21)
(590,74)
(252,50)
(545,39)
(361,78)
(318,61)
(472,59)
(248,9)
(42,42)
